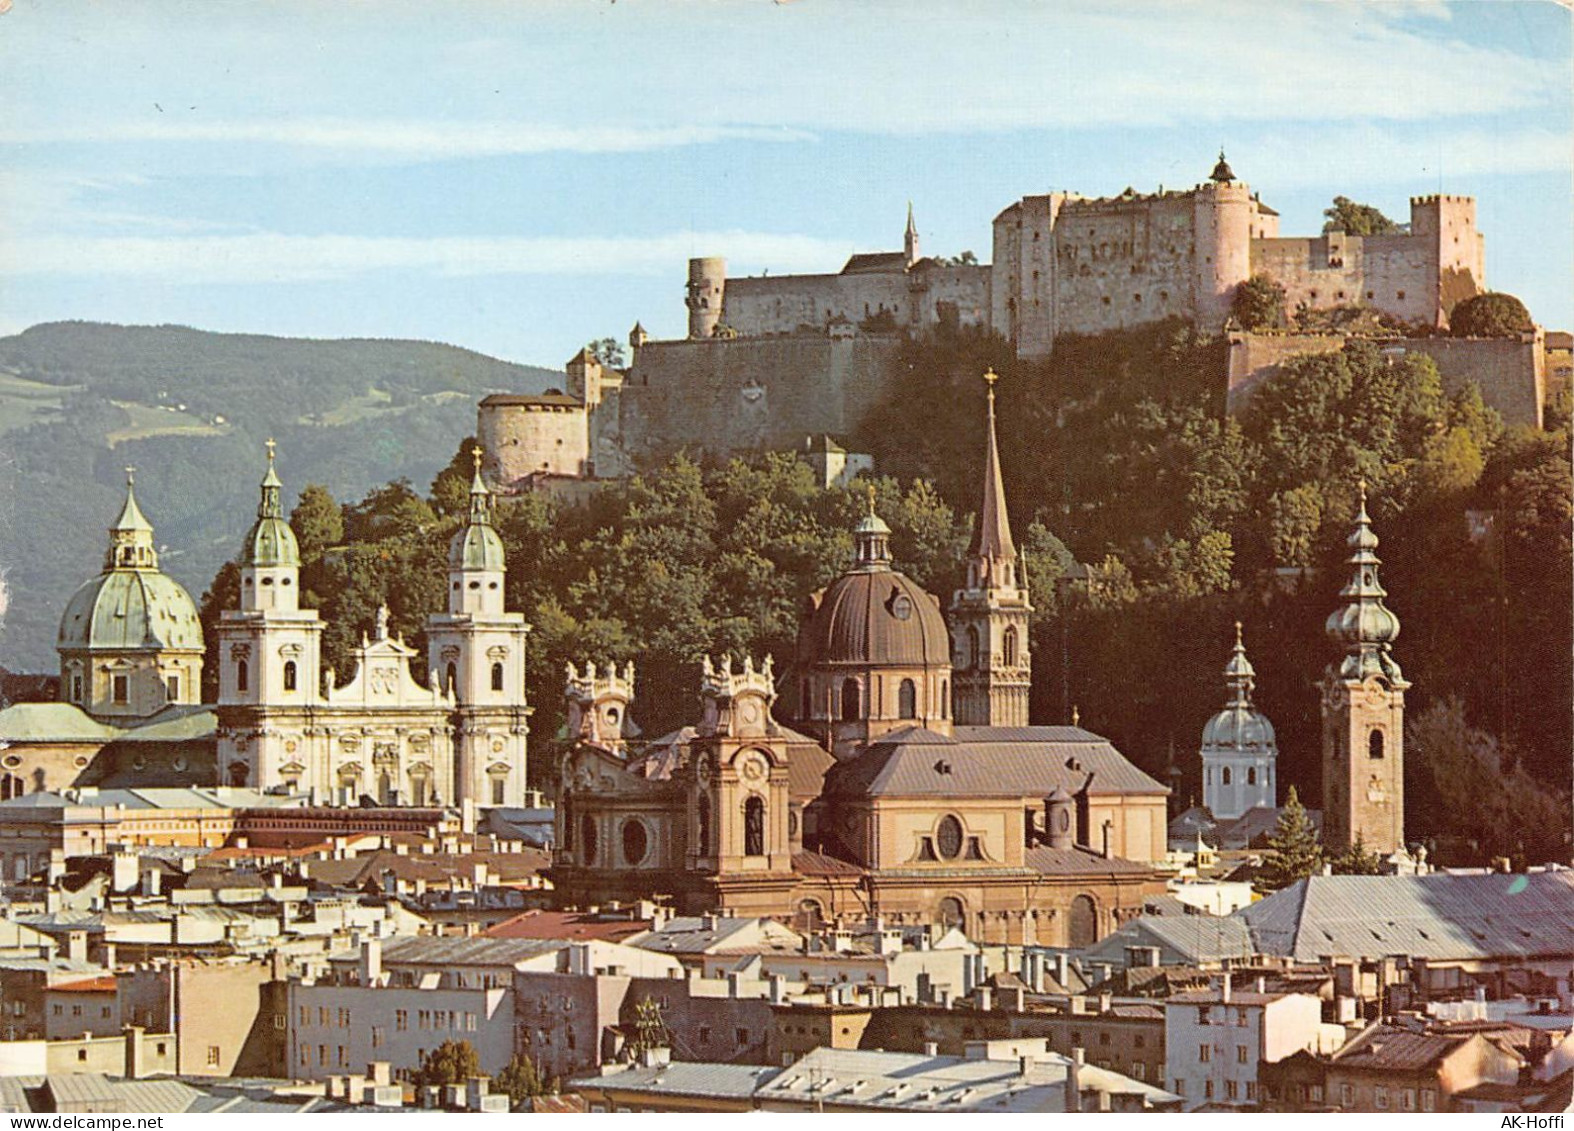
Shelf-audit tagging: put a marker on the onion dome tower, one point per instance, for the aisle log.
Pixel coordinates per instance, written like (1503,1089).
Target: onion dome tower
(989,615)
(476,651)
(873,654)
(1363,705)
(130,641)
(1239,751)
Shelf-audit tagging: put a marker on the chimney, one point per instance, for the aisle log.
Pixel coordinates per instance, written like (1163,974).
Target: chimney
(985,998)
(1013,999)
(1261,984)
(76,946)
(931,1048)
(1107,829)
(1106,1000)
(778,989)
(380,1073)
(1079,1005)
(136,1061)
(732,984)
(1224,988)
(371,962)
(1074,1081)
(1061,971)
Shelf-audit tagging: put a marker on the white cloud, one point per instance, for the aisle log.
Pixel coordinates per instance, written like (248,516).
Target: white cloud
(272,257)
(418,140)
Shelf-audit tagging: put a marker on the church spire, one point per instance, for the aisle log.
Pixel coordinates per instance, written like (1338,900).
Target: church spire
(992,559)
(1364,625)
(480,497)
(270,505)
(1239,676)
(910,237)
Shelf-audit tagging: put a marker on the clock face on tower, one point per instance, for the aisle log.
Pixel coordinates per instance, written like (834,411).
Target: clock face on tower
(752,768)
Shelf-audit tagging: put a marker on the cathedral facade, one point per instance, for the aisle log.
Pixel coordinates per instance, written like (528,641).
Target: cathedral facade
(285,723)
(901,779)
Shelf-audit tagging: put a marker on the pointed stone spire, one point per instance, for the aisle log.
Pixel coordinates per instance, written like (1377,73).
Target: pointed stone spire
(910,238)
(1364,625)
(993,556)
(872,540)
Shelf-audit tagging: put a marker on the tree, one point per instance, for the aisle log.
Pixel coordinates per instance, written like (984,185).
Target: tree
(1356,860)
(451,487)
(609,352)
(1294,852)
(1259,304)
(1357,219)
(1490,315)
(318,522)
(521,1079)
(452,1062)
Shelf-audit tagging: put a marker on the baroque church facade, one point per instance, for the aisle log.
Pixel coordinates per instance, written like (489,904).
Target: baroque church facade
(286,724)
(901,779)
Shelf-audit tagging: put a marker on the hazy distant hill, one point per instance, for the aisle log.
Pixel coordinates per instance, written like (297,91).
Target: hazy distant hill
(80,400)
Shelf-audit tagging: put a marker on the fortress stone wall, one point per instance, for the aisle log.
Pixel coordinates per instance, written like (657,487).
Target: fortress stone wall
(1511,373)
(738,395)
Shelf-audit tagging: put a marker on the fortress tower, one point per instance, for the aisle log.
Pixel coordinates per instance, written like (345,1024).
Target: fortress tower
(1223,234)
(707,289)
(1364,712)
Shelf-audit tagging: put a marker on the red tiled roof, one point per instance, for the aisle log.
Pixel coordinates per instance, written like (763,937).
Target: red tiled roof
(103,984)
(576,925)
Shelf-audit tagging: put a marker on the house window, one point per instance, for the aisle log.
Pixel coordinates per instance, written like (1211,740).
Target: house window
(1207,1089)
(1428,1099)
(1204,1053)
(497,790)
(1240,1054)
(289,675)
(379,1035)
(742,1035)
(907,700)
(1346,1095)
(401,1020)
(704,1034)
(242,675)
(122,689)
(1231,1090)
(172,687)
(213,1056)
(1380,1098)
(1407,1100)
(497,677)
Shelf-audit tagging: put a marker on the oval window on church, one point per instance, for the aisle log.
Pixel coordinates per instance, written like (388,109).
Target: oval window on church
(635,842)
(948,837)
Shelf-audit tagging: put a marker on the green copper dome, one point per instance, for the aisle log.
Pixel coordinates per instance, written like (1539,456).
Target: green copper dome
(477,545)
(131,604)
(271,542)
(131,609)
(1240,726)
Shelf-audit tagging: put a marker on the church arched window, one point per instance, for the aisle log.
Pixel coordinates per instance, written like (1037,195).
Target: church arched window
(945,699)
(587,838)
(242,675)
(1374,745)
(290,675)
(754,826)
(497,677)
(849,700)
(907,700)
(1008,646)
(1225,775)
(1251,775)
(972,647)
(704,829)
(453,677)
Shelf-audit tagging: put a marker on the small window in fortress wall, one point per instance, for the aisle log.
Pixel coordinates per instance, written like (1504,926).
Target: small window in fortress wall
(1136,298)
(1400,295)
(1105,300)
(1370,295)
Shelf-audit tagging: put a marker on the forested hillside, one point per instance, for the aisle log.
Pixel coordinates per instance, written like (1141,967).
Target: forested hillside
(79,401)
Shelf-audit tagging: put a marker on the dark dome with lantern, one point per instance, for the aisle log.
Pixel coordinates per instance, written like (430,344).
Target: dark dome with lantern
(873,614)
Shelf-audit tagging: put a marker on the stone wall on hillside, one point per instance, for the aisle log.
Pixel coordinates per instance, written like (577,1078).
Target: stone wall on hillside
(1511,372)
(738,395)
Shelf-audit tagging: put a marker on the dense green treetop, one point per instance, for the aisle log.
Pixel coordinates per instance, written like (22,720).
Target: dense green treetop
(1358,219)
(1490,315)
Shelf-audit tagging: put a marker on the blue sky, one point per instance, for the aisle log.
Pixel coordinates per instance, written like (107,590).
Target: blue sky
(521,177)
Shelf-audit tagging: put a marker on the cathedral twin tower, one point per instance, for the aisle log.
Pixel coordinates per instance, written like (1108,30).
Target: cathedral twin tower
(282,722)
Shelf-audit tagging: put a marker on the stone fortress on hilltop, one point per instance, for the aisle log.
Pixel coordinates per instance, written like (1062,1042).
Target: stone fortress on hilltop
(781,361)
